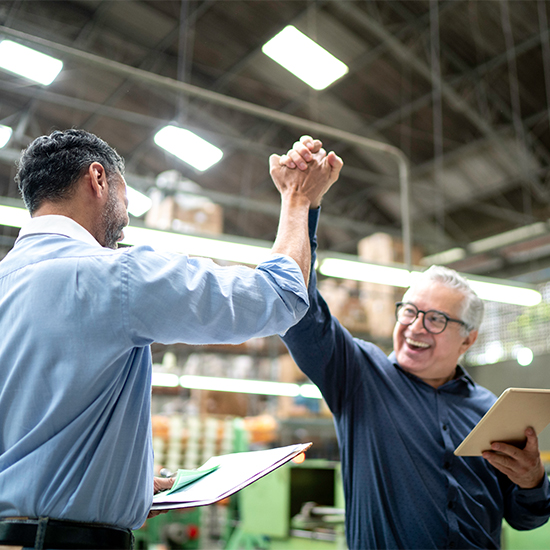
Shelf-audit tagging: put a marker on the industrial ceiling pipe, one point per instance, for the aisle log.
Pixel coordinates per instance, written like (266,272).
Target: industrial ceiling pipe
(250,108)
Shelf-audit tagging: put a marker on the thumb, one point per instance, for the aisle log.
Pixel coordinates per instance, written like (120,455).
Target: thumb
(162,483)
(532,444)
(335,161)
(274,162)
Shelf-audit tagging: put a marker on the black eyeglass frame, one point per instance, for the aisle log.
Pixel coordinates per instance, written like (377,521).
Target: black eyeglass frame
(447,318)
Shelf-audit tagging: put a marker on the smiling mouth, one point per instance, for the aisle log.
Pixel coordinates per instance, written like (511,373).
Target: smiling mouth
(416,343)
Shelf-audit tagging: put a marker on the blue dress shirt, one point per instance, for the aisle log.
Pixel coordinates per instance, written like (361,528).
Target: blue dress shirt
(404,488)
(76,322)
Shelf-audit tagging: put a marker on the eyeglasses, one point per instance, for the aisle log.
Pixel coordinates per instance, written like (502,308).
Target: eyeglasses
(432,320)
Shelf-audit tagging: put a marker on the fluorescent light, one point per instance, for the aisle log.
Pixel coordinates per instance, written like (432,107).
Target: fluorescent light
(259,387)
(249,254)
(506,294)
(196,246)
(393,276)
(165,380)
(5,135)
(310,390)
(29,63)
(369,273)
(188,147)
(13,217)
(252,254)
(304,58)
(138,203)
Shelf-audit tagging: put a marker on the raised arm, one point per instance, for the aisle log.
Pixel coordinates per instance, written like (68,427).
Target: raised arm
(301,190)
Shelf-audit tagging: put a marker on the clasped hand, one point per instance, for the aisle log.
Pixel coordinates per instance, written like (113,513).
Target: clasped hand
(316,172)
(522,466)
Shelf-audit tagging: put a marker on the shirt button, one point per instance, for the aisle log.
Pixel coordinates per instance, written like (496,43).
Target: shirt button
(447,465)
(451,505)
(445,427)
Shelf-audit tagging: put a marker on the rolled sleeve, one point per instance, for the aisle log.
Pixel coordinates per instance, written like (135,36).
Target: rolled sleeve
(173,298)
(287,276)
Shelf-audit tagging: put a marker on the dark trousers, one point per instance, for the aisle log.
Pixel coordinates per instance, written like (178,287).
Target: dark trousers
(52,534)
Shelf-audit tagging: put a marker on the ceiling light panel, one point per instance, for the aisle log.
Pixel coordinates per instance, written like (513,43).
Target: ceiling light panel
(5,135)
(29,63)
(304,58)
(188,147)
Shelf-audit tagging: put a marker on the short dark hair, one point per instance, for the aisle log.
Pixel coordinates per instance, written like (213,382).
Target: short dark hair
(50,166)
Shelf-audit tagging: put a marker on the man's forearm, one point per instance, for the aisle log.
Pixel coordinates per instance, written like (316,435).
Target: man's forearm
(292,235)
(301,190)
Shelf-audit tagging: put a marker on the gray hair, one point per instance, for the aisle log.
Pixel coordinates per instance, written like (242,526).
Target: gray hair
(472,305)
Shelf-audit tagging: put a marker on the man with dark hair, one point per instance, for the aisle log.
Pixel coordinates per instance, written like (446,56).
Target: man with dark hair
(77,318)
(400,417)
(74,150)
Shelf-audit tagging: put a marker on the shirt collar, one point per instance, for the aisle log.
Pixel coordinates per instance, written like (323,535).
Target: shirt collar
(461,374)
(57,225)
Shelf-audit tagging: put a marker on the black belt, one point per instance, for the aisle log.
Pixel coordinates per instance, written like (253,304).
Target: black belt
(47,533)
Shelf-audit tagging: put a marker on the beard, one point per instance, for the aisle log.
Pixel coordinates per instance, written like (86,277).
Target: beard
(114,219)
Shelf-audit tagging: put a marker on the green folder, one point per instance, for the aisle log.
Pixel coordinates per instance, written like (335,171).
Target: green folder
(186,477)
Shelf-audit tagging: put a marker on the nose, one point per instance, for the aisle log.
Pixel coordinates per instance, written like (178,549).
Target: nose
(418,324)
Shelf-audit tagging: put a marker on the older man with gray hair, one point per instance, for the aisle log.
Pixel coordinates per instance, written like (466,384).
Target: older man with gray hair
(399,418)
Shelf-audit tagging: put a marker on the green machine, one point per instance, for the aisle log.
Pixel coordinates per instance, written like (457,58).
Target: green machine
(177,529)
(297,506)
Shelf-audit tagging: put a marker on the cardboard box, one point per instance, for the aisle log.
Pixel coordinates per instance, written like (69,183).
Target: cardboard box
(179,213)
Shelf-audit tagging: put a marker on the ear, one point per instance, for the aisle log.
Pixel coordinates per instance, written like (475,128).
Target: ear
(97,179)
(468,341)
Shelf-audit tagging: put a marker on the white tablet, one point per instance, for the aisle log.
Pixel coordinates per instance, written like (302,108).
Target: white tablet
(514,411)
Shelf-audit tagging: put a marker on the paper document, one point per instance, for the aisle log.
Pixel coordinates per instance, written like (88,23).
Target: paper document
(221,476)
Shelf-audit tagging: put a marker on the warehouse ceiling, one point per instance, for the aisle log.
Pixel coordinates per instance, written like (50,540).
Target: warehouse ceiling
(460,87)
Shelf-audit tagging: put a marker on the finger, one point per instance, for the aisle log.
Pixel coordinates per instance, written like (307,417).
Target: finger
(163,483)
(300,149)
(312,144)
(532,445)
(335,161)
(274,162)
(501,462)
(287,161)
(298,159)
(320,155)
(505,448)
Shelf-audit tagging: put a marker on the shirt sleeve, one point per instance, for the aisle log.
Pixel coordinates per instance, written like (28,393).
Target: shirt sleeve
(171,298)
(320,345)
(526,508)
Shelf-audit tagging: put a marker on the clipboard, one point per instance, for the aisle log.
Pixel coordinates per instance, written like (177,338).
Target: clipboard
(514,411)
(229,473)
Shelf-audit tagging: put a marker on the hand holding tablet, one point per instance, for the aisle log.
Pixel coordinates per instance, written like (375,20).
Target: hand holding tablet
(506,421)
